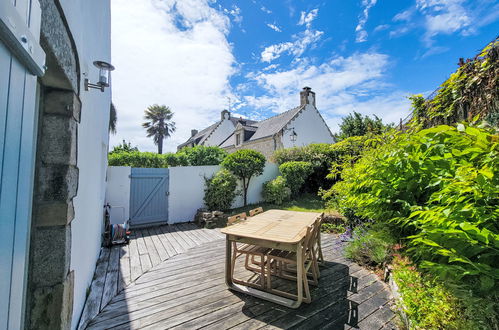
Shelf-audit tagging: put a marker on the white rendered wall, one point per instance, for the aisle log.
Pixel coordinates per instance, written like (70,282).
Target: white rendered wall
(187,191)
(309,128)
(270,172)
(90,25)
(221,133)
(118,192)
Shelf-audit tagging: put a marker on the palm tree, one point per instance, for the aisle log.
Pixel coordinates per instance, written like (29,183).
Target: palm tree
(113,118)
(159,124)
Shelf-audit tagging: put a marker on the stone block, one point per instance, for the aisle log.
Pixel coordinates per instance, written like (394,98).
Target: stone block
(52,306)
(57,183)
(54,213)
(58,141)
(62,102)
(50,255)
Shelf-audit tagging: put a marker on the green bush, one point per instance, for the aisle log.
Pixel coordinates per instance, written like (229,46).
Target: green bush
(425,301)
(276,191)
(201,155)
(439,188)
(295,174)
(370,247)
(220,191)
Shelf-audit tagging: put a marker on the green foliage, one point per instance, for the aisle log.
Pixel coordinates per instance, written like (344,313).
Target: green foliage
(357,125)
(439,189)
(276,191)
(137,159)
(220,191)
(113,119)
(201,155)
(370,247)
(159,124)
(425,301)
(124,147)
(295,174)
(245,164)
(470,91)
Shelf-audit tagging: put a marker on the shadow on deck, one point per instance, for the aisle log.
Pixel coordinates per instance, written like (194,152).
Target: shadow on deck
(188,291)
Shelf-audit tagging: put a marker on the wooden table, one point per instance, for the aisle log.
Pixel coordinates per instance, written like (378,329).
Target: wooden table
(284,230)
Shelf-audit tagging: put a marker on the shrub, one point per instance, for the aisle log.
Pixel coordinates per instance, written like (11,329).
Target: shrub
(220,191)
(245,164)
(439,188)
(357,125)
(295,174)
(201,155)
(370,247)
(139,159)
(276,191)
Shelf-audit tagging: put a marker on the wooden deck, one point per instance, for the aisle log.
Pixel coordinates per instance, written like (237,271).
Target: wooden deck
(120,266)
(188,291)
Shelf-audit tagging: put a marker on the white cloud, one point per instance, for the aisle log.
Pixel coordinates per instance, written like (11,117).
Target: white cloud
(342,85)
(156,49)
(266,10)
(301,42)
(307,18)
(381,27)
(434,51)
(405,15)
(235,12)
(274,27)
(360,28)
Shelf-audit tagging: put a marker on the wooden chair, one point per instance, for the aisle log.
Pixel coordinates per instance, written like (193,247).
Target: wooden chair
(248,250)
(256,211)
(277,260)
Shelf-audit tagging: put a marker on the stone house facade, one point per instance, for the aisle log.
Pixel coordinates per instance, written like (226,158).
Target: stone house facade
(299,126)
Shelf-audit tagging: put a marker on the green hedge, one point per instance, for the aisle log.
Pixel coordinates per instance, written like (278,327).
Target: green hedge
(197,156)
(295,174)
(275,191)
(220,191)
(438,190)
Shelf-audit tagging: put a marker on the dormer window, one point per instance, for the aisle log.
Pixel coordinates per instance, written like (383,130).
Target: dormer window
(238,139)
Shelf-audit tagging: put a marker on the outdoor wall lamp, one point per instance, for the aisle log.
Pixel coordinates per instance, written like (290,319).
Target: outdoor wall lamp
(293,134)
(104,74)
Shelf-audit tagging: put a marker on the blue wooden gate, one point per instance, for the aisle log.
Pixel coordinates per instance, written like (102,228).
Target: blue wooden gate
(148,196)
(21,61)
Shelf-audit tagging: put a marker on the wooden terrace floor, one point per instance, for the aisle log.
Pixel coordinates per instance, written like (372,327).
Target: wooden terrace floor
(187,290)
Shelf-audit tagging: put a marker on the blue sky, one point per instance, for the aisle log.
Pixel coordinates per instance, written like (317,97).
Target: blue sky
(357,55)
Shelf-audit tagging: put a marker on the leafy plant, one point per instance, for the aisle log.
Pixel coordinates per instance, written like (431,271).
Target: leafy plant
(276,191)
(124,147)
(295,174)
(220,191)
(245,164)
(439,189)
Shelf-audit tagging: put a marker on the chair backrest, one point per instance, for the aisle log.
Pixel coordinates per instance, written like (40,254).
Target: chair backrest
(256,211)
(313,231)
(237,217)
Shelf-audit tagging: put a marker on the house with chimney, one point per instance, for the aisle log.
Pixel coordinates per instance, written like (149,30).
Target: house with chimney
(296,127)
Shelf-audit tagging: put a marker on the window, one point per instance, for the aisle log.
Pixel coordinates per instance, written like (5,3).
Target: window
(238,139)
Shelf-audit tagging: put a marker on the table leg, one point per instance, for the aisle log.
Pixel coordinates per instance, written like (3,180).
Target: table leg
(228,262)
(299,275)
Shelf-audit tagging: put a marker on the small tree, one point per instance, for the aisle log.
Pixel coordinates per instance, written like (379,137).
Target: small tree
(123,147)
(357,125)
(245,164)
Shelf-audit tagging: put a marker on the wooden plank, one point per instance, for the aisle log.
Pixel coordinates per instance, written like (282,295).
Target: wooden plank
(194,234)
(169,236)
(124,274)
(187,238)
(184,246)
(92,305)
(151,249)
(163,254)
(145,262)
(166,243)
(141,243)
(111,284)
(135,267)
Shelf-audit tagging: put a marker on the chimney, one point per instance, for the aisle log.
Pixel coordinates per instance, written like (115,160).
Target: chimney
(307,96)
(225,115)
(194,132)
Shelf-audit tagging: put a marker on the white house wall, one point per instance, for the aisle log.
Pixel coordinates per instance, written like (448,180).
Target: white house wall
(118,193)
(89,22)
(187,191)
(309,128)
(223,130)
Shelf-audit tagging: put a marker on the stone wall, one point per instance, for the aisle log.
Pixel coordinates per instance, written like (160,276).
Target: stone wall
(266,146)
